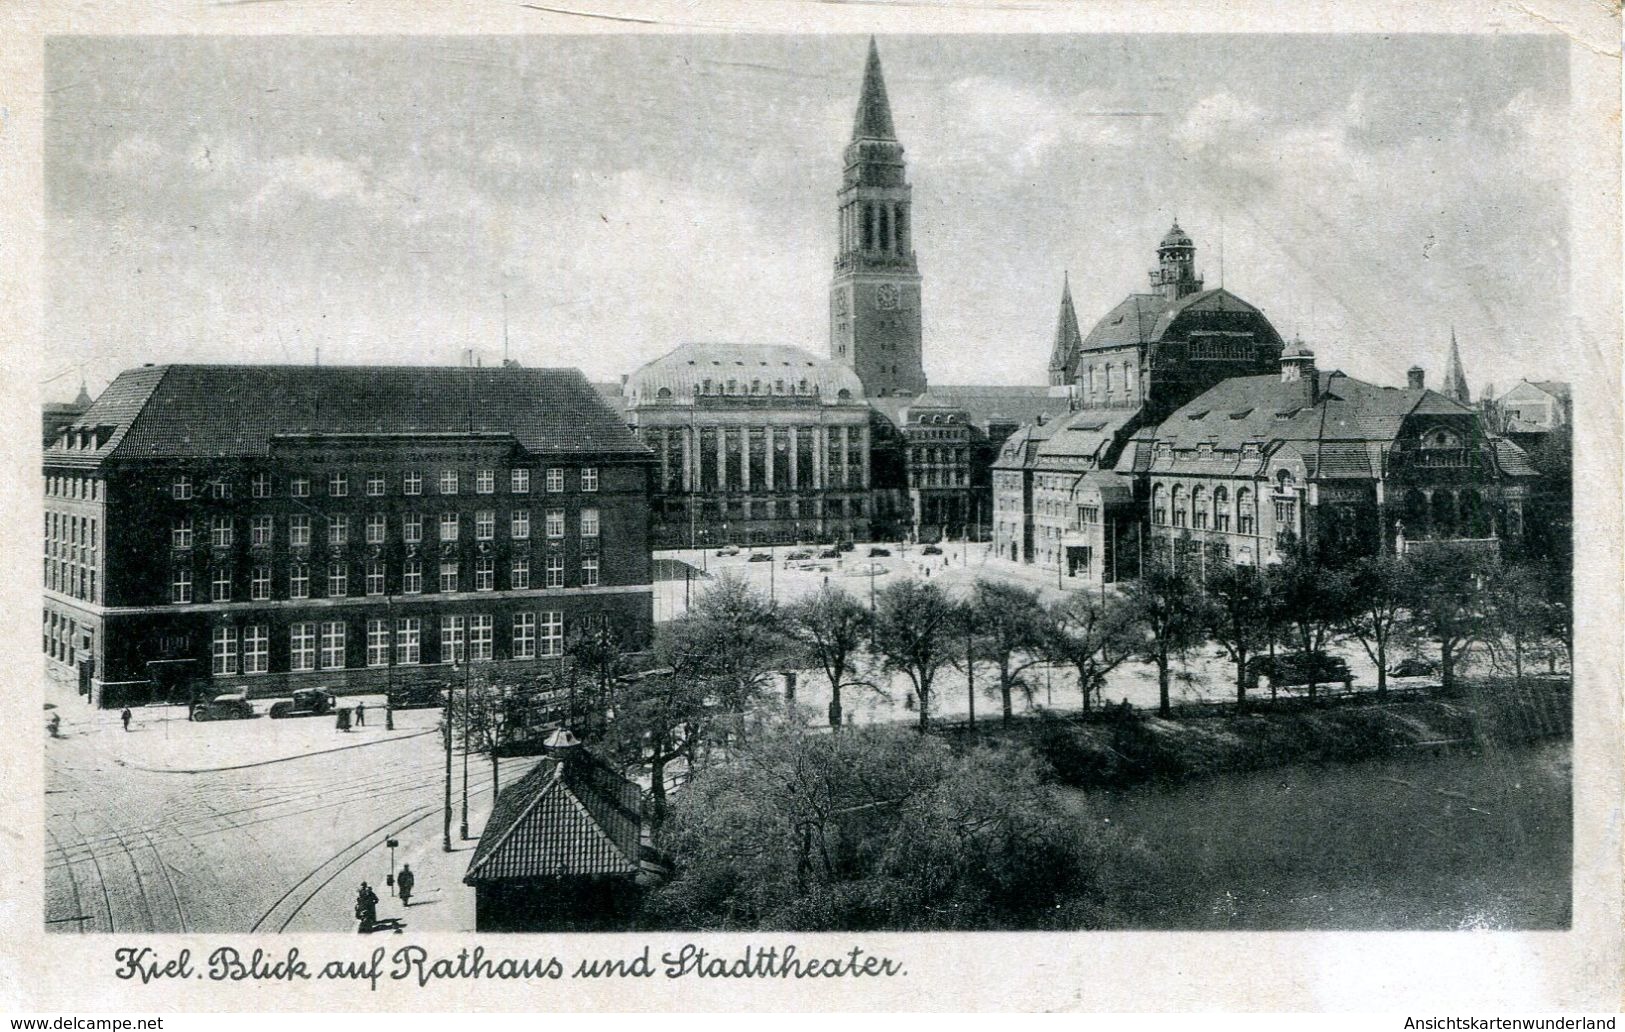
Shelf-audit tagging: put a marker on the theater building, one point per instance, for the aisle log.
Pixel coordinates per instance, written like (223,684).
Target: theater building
(263,528)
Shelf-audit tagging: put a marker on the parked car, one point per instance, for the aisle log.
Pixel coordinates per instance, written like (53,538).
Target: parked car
(1414,667)
(877,551)
(829,553)
(845,546)
(422,695)
(931,550)
(306,702)
(760,557)
(231,706)
(799,555)
(1296,668)
(728,550)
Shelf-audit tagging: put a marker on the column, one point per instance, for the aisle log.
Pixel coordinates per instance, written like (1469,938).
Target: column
(846,456)
(767,455)
(744,458)
(665,464)
(687,440)
(819,441)
(795,461)
(722,458)
(865,458)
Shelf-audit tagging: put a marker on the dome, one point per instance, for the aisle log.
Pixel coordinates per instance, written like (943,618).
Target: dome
(742,370)
(1176,237)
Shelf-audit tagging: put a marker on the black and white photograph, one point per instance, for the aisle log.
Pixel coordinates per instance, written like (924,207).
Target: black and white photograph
(793,482)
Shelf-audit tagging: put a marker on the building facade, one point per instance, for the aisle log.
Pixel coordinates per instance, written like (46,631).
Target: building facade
(222,528)
(753,443)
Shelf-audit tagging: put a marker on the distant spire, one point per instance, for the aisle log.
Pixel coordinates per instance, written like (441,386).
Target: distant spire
(1455,381)
(873,121)
(83,400)
(1067,338)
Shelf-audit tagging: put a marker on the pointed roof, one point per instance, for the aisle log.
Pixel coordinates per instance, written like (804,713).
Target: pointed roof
(84,399)
(873,121)
(1067,338)
(571,818)
(1455,382)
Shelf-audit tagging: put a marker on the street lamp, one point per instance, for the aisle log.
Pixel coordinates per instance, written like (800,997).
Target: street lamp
(467,703)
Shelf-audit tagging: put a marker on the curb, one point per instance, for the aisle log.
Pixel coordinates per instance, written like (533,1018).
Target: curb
(279,759)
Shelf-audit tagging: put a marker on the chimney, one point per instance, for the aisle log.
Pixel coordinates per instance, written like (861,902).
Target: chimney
(1415,378)
(562,745)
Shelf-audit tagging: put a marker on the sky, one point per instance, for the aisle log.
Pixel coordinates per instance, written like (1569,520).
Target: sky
(607,198)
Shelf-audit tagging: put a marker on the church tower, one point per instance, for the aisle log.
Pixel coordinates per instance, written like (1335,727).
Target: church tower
(1455,382)
(1067,339)
(874,300)
(1175,276)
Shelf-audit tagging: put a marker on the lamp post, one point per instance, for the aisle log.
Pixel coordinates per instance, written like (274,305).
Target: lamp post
(467,702)
(445,831)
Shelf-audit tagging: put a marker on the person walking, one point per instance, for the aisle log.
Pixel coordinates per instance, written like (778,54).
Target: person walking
(366,907)
(360,714)
(405,882)
(125,716)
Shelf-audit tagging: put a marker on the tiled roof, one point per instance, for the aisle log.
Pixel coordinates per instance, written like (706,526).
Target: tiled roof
(1513,460)
(1146,318)
(186,411)
(1067,338)
(685,369)
(1001,404)
(1086,434)
(1113,488)
(569,819)
(1556,388)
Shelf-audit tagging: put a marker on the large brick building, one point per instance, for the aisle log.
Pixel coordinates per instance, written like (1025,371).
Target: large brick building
(216,528)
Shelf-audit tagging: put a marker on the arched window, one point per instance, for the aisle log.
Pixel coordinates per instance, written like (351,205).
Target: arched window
(1159,506)
(1177,504)
(843,394)
(1199,508)
(1246,516)
(664,393)
(1284,480)
(1221,509)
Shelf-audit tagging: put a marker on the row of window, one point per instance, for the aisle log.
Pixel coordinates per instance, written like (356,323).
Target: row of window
(375,528)
(73,485)
(62,637)
(338,581)
(183,488)
(71,554)
(324,644)
(1195,509)
(1104,379)
(936,478)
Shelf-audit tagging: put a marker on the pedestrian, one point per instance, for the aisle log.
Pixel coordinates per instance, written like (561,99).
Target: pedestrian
(360,714)
(366,907)
(406,881)
(125,716)
(55,725)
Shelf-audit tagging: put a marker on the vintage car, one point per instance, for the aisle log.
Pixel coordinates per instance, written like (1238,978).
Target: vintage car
(829,553)
(1414,667)
(760,557)
(1298,668)
(306,702)
(931,550)
(845,546)
(877,552)
(728,550)
(422,695)
(799,555)
(232,706)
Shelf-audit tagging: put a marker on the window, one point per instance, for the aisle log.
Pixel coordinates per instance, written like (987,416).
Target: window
(1178,505)
(479,637)
(338,580)
(259,486)
(524,636)
(181,488)
(376,525)
(589,478)
(375,576)
(1199,508)
(377,643)
(180,585)
(259,531)
(220,584)
(1244,511)
(1286,519)
(408,640)
(519,481)
(484,574)
(589,571)
(256,648)
(554,572)
(485,524)
(1159,506)
(338,530)
(338,485)
(519,576)
(299,531)
(555,523)
(180,535)
(448,481)
(225,651)
(375,485)
(412,528)
(1221,509)
(302,646)
(589,523)
(552,633)
(448,577)
(299,487)
(220,531)
(555,480)
(332,645)
(485,481)
(412,577)
(220,489)
(519,525)
(259,583)
(299,580)
(412,484)
(451,639)
(448,526)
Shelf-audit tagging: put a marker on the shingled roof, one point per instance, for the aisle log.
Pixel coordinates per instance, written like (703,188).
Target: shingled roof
(573,818)
(1147,318)
(190,411)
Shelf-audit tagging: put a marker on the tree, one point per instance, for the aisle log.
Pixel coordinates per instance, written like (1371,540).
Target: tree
(1166,608)
(598,651)
(479,714)
(1518,614)
(914,624)
(831,629)
(1237,616)
(878,829)
(1444,602)
(1092,635)
(732,639)
(1314,599)
(1010,622)
(1375,616)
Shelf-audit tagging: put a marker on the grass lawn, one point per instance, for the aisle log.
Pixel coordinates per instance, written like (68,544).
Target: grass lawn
(1470,840)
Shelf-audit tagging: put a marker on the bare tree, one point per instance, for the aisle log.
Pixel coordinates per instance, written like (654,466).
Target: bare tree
(1166,608)
(1315,600)
(1237,616)
(1445,603)
(1092,635)
(831,629)
(914,625)
(1375,616)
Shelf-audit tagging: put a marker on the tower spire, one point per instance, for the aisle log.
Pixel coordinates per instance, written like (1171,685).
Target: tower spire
(1067,338)
(873,121)
(1455,381)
